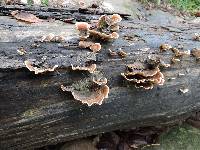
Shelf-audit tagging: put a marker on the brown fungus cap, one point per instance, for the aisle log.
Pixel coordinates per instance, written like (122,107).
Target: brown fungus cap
(165,47)
(37,70)
(95,47)
(116,18)
(196,53)
(91,95)
(83,28)
(102,36)
(109,22)
(90,68)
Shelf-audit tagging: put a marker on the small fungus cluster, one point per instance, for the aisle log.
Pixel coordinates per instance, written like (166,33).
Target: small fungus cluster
(104,30)
(142,76)
(119,53)
(89,92)
(96,90)
(52,38)
(177,53)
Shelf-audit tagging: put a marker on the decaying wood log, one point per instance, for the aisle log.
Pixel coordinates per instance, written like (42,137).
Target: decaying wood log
(34,111)
(86,14)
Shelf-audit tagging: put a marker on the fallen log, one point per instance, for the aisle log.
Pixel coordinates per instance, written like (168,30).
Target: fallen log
(34,111)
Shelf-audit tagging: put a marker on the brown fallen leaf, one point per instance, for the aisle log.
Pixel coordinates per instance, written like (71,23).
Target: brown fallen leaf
(25,16)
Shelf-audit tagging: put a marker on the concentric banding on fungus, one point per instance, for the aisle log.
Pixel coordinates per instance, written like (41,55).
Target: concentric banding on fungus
(100,81)
(145,78)
(95,47)
(91,68)
(99,35)
(37,70)
(89,97)
(83,28)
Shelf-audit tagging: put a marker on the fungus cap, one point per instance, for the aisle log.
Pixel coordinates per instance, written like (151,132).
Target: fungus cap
(90,68)
(82,26)
(37,70)
(89,97)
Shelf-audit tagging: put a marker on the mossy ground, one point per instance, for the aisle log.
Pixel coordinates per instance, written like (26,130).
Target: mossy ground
(184,137)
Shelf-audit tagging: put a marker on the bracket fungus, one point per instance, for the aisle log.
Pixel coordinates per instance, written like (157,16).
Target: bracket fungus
(100,81)
(177,54)
(97,32)
(109,22)
(165,47)
(95,47)
(37,70)
(52,38)
(103,36)
(90,68)
(156,61)
(196,53)
(83,28)
(91,93)
(142,76)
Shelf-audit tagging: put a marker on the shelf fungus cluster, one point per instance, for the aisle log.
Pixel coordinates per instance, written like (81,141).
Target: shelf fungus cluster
(38,70)
(89,92)
(52,38)
(142,76)
(104,30)
(177,54)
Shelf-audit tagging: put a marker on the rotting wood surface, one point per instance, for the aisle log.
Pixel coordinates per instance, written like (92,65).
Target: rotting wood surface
(34,111)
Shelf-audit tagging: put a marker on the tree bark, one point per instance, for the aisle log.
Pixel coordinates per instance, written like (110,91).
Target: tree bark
(34,111)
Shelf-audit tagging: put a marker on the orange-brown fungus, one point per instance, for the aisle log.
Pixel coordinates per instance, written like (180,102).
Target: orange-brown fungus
(83,28)
(95,47)
(103,31)
(103,36)
(196,53)
(91,68)
(142,76)
(25,16)
(37,70)
(109,22)
(165,47)
(89,94)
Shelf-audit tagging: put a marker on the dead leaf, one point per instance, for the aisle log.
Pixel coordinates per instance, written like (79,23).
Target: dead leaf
(25,16)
